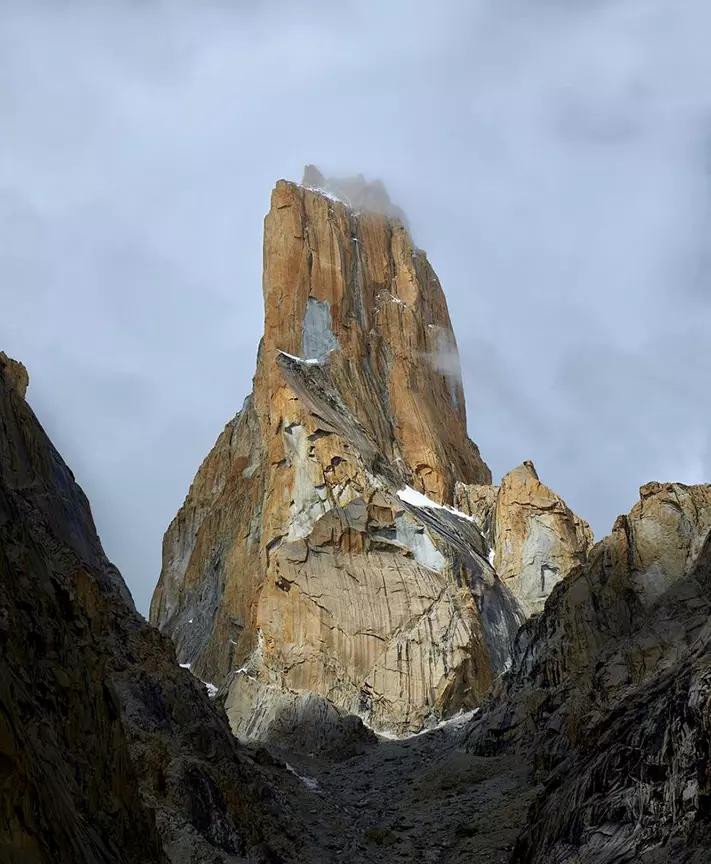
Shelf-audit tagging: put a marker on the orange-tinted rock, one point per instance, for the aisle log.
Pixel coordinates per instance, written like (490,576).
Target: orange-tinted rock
(293,554)
(538,540)
(534,537)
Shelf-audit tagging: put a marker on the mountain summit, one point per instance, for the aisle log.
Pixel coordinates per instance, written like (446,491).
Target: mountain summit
(319,548)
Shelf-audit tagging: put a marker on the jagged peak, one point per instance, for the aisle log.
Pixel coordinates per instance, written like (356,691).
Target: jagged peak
(354,294)
(526,470)
(16,373)
(356,192)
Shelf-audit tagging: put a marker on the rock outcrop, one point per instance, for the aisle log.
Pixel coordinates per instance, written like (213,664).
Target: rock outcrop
(110,753)
(535,537)
(479,502)
(610,694)
(318,548)
(15,374)
(301,723)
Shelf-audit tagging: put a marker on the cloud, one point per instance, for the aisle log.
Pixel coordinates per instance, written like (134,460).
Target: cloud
(552,158)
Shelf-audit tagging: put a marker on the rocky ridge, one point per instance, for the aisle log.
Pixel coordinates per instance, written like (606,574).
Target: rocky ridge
(535,537)
(109,751)
(610,694)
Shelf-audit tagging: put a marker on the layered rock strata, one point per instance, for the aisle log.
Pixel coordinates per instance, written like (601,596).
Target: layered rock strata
(318,548)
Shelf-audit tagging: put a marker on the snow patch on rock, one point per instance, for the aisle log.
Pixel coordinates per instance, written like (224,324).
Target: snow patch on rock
(458,721)
(309,361)
(417,499)
(310,782)
(319,190)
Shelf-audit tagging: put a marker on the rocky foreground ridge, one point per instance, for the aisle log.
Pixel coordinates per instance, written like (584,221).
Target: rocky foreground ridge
(333,541)
(110,752)
(610,695)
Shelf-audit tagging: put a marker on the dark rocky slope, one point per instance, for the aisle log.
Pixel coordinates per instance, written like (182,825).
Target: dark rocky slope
(109,751)
(610,697)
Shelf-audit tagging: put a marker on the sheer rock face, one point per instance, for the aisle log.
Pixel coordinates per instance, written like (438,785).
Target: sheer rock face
(293,557)
(110,753)
(352,289)
(611,691)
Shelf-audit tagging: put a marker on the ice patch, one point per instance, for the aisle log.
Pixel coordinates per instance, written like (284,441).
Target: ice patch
(326,194)
(247,669)
(491,557)
(310,361)
(185,665)
(419,543)
(318,338)
(412,496)
(310,782)
(417,499)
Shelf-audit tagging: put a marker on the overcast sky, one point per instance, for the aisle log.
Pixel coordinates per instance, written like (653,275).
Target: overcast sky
(553,159)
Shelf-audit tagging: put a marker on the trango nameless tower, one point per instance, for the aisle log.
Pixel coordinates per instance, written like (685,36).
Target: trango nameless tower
(323,546)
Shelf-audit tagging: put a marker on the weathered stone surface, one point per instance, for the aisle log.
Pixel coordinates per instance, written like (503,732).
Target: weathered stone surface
(110,753)
(304,723)
(537,539)
(293,552)
(611,692)
(15,374)
(479,502)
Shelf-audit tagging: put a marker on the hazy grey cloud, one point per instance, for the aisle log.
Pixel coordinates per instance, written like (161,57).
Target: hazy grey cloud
(552,157)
